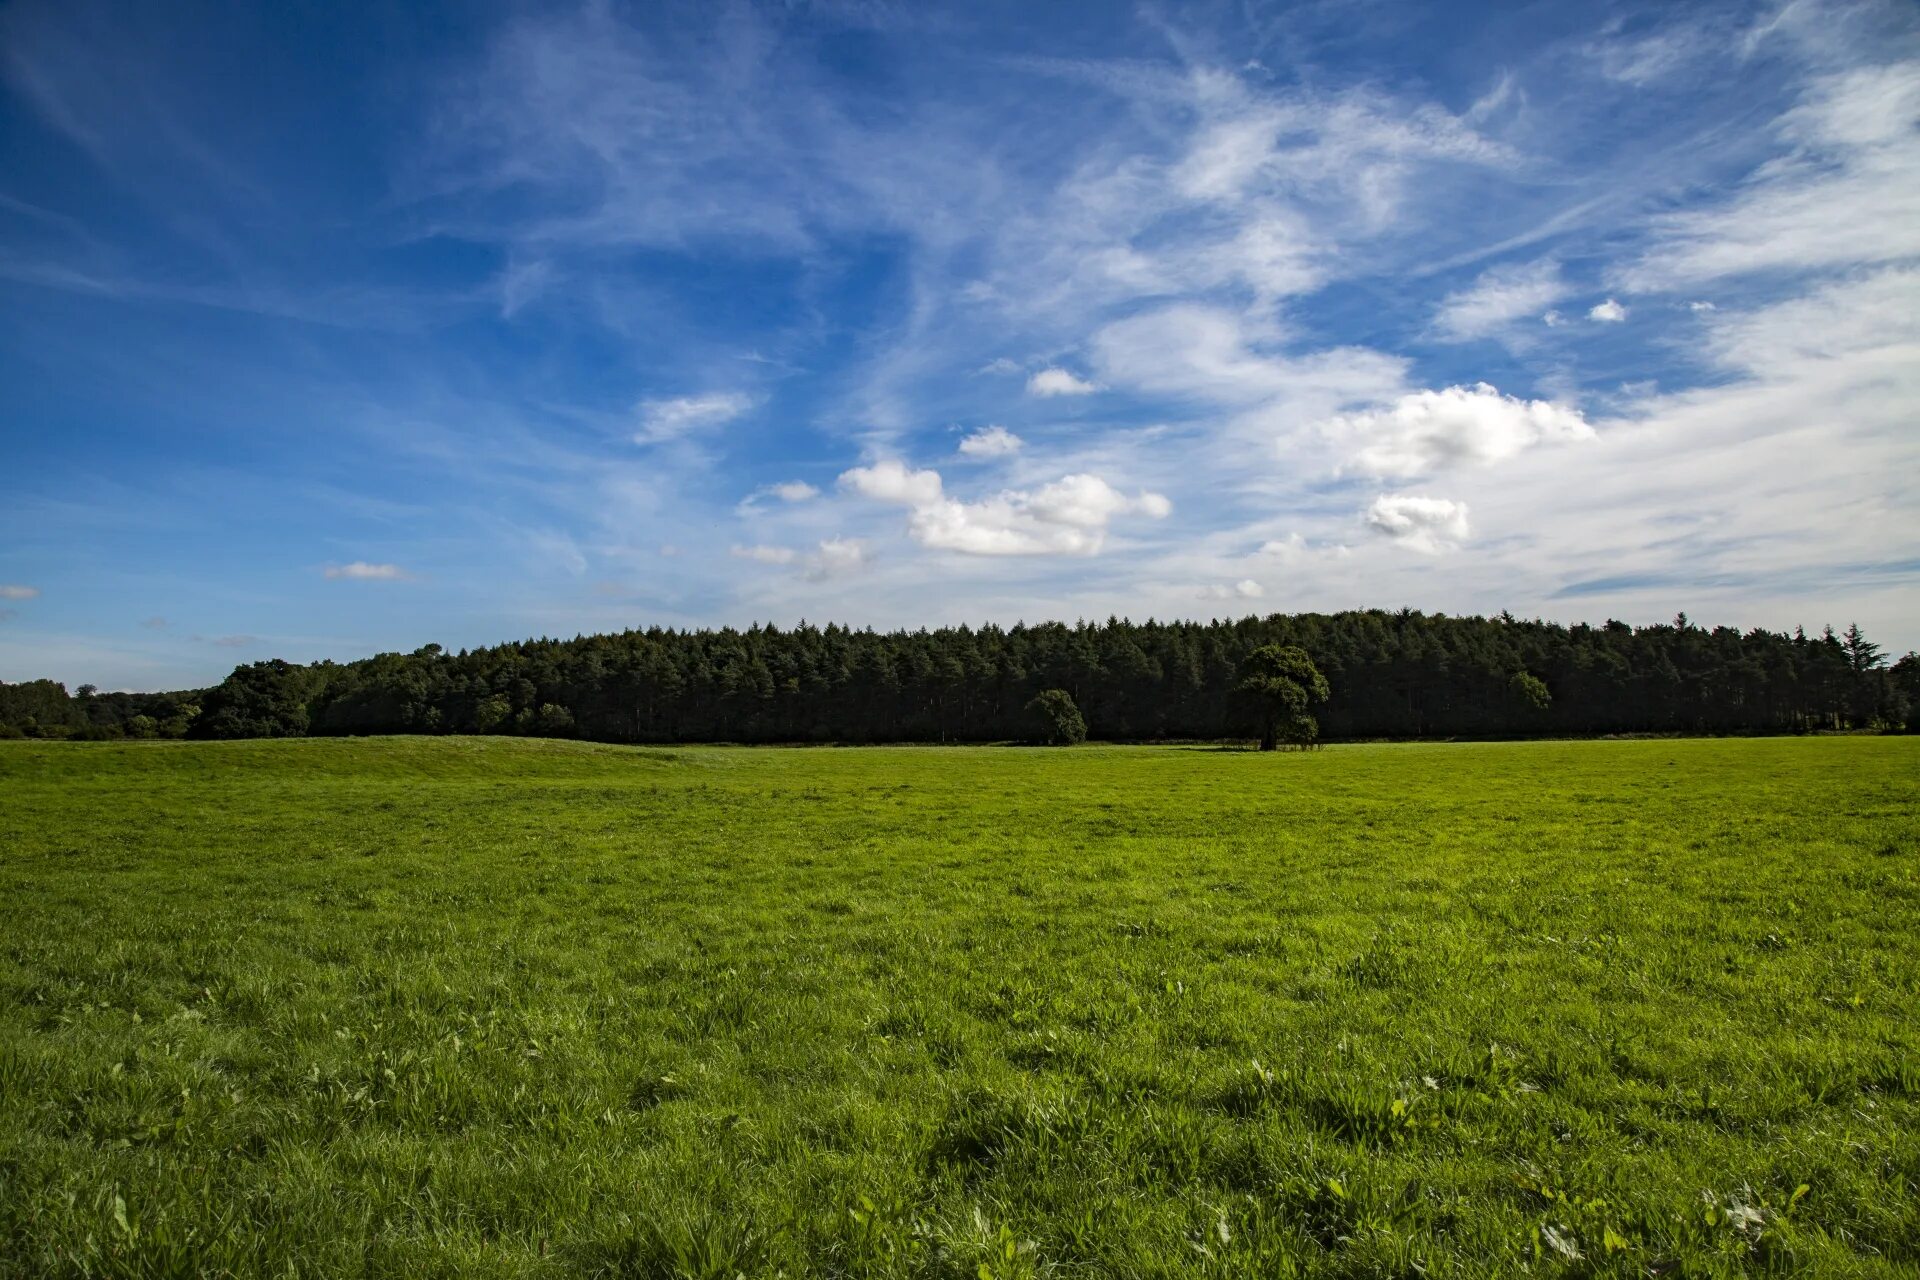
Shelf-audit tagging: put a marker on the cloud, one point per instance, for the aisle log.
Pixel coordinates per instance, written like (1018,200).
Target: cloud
(1608,312)
(361,571)
(892,481)
(1245,589)
(665,420)
(155,623)
(1428,431)
(1198,352)
(1699,308)
(1846,191)
(229,642)
(791,492)
(13,591)
(1498,298)
(1067,517)
(1001,365)
(1427,525)
(991,442)
(1059,382)
(766,555)
(837,556)
(833,557)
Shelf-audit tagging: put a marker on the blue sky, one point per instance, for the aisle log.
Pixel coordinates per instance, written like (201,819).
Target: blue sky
(327,330)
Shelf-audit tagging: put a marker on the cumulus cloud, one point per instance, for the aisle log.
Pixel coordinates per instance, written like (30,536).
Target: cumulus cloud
(665,420)
(1067,517)
(1429,430)
(1426,525)
(361,571)
(837,556)
(1498,298)
(991,442)
(1245,589)
(893,481)
(1059,382)
(13,591)
(1608,312)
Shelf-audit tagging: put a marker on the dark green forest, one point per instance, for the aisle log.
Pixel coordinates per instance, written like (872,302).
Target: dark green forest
(1390,675)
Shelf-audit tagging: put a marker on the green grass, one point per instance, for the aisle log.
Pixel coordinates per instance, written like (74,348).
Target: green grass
(411,1007)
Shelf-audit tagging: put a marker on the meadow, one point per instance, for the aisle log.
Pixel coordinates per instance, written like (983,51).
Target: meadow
(503,1007)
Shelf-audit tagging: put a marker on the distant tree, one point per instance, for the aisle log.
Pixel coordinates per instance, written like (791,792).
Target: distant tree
(1905,696)
(552,721)
(1862,654)
(1282,684)
(1530,691)
(142,727)
(1056,719)
(259,700)
(492,714)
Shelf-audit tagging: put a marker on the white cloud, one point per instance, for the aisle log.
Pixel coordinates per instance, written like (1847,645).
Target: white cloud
(1641,62)
(1207,353)
(832,558)
(1427,525)
(361,571)
(13,591)
(1498,298)
(791,492)
(892,481)
(991,442)
(837,556)
(1608,312)
(1067,517)
(1000,365)
(766,554)
(1700,307)
(1845,193)
(1245,589)
(1059,382)
(665,420)
(1553,319)
(1429,430)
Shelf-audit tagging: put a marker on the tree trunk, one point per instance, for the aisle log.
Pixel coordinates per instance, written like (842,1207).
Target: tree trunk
(1269,739)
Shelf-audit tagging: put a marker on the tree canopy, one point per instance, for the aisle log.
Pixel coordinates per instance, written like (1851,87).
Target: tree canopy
(1283,686)
(1386,674)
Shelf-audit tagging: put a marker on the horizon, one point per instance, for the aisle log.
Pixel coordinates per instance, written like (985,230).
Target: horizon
(329,334)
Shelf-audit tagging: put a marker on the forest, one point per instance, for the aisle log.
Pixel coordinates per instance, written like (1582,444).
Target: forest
(1400,674)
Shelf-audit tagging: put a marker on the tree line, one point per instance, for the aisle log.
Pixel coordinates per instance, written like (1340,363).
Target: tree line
(1400,674)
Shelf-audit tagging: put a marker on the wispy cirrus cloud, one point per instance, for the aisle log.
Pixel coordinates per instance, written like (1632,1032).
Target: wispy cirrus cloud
(676,417)
(1499,298)
(362,571)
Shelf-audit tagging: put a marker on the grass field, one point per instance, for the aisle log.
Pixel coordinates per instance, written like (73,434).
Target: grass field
(412,1007)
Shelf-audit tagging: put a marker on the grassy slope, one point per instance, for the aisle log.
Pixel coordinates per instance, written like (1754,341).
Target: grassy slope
(491,1007)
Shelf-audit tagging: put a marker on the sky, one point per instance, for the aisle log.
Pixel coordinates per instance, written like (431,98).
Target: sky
(332,329)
